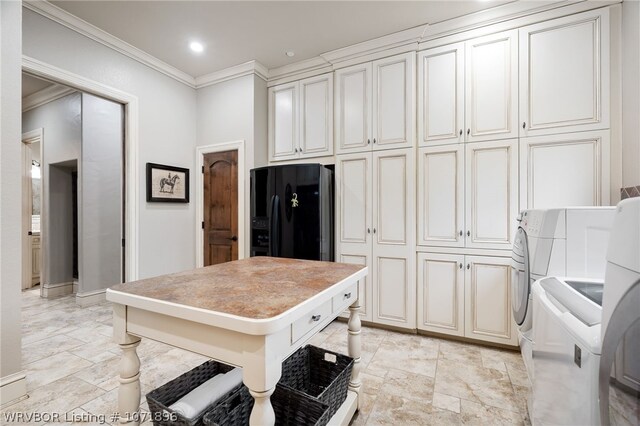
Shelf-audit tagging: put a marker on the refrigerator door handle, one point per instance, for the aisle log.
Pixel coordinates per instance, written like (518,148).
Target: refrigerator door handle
(274,227)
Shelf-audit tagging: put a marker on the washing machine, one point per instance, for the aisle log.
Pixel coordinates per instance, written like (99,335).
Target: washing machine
(554,242)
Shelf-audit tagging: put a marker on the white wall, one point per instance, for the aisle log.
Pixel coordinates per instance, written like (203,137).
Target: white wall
(167,131)
(11,383)
(226,113)
(61,121)
(630,93)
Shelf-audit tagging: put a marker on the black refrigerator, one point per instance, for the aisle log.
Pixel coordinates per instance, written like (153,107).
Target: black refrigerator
(292,211)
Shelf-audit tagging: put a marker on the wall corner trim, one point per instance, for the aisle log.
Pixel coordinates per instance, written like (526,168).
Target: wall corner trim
(61,16)
(12,387)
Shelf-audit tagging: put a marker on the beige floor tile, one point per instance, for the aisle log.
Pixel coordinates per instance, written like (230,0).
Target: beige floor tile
(100,372)
(474,413)
(415,354)
(397,410)
(460,352)
(100,349)
(48,370)
(446,402)
(48,347)
(518,376)
(408,385)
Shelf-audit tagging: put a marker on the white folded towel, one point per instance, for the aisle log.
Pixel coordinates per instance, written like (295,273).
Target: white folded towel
(196,401)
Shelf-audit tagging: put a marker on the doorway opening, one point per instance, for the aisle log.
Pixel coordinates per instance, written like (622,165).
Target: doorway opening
(75,240)
(220,201)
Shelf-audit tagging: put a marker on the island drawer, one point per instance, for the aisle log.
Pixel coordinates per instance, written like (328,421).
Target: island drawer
(310,321)
(343,300)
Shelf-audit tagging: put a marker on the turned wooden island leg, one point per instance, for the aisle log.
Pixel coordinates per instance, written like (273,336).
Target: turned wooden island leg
(129,369)
(354,343)
(262,413)
(261,371)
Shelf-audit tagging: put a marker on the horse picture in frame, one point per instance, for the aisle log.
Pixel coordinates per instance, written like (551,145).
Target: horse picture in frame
(167,183)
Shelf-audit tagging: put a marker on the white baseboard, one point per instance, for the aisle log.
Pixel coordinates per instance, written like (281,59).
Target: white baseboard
(91,297)
(55,290)
(12,387)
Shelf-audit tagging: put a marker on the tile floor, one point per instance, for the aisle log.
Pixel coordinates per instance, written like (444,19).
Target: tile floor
(71,363)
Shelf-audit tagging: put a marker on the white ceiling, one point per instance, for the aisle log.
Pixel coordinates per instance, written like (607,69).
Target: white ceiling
(235,32)
(31,85)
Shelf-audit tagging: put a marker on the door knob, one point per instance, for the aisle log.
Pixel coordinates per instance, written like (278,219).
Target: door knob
(234,238)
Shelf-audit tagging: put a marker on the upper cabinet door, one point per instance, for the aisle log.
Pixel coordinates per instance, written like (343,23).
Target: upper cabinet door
(492,87)
(441,196)
(564,74)
(491,194)
(441,95)
(353,108)
(283,122)
(316,116)
(394,102)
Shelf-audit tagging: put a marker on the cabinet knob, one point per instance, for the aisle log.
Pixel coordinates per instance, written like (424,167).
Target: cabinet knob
(460,265)
(468,131)
(461,232)
(347,295)
(368,141)
(374,140)
(295,149)
(374,230)
(460,132)
(316,318)
(468,233)
(468,266)
(524,124)
(368,230)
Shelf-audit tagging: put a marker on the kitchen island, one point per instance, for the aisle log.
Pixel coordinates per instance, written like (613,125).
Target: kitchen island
(251,313)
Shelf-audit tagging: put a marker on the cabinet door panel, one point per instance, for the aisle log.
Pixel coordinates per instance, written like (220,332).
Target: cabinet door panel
(565,74)
(316,124)
(393,298)
(565,170)
(353,108)
(441,196)
(492,193)
(393,193)
(283,122)
(441,293)
(492,87)
(441,95)
(393,101)
(488,296)
(364,286)
(353,179)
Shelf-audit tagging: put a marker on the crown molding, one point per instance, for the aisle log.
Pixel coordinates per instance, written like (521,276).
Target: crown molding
(296,70)
(251,67)
(44,96)
(61,16)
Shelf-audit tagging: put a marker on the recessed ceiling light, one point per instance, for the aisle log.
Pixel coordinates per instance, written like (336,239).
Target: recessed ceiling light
(290,53)
(196,47)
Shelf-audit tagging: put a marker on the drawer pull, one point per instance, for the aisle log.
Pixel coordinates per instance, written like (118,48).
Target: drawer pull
(347,295)
(315,318)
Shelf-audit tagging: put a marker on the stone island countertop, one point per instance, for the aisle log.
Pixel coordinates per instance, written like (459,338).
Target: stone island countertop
(256,288)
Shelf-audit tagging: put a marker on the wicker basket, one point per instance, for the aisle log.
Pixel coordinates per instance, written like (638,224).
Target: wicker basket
(308,370)
(292,408)
(159,399)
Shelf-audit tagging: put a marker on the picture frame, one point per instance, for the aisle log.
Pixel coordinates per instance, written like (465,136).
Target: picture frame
(167,184)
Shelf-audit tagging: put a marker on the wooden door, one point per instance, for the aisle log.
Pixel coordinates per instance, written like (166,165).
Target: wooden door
(565,170)
(441,95)
(564,74)
(491,194)
(353,211)
(441,293)
(283,122)
(220,224)
(441,196)
(316,116)
(353,108)
(394,88)
(488,300)
(491,98)
(394,238)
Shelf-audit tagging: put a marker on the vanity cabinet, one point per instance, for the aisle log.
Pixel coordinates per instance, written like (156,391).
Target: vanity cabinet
(466,296)
(375,210)
(468,91)
(468,195)
(375,105)
(301,119)
(564,74)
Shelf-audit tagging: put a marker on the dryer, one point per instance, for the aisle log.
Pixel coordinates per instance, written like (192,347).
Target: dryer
(561,242)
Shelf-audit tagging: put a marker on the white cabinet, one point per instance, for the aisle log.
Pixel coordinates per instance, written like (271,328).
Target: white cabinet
(375,206)
(469,91)
(466,296)
(441,293)
(564,74)
(375,105)
(565,170)
(301,119)
(468,194)
(488,300)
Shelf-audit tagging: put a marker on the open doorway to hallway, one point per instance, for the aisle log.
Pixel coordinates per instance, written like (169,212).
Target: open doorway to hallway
(74,242)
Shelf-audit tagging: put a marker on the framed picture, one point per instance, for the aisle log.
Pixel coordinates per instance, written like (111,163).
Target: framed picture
(167,184)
